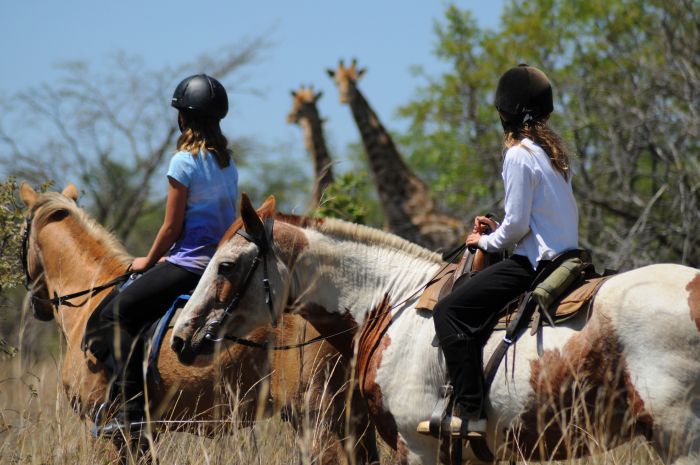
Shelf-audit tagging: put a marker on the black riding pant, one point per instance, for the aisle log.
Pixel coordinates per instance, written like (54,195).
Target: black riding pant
(116,340)
(465,318)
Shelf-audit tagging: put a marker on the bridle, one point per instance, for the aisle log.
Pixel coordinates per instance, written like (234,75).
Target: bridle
(263,241)
(56,300)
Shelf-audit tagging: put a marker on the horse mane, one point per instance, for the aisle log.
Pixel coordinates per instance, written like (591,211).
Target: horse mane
(340,229)
(49,203)
(367,235)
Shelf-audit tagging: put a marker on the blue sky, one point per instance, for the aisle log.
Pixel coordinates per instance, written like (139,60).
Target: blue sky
(387,37)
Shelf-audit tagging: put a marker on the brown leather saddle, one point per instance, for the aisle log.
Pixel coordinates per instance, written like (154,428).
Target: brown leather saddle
(576,298)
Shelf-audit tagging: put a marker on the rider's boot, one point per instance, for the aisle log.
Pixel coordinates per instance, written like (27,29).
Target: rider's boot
(463,357)
(126,394)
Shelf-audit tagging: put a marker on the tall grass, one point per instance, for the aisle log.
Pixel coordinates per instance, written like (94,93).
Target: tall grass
(39,427)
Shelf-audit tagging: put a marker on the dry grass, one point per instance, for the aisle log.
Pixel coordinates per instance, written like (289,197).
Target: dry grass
(38,427)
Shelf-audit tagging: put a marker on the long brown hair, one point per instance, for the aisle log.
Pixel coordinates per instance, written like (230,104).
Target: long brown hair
(199,134)
(544,136)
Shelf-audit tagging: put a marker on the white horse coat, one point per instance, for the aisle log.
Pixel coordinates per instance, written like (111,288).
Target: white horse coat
(632,369)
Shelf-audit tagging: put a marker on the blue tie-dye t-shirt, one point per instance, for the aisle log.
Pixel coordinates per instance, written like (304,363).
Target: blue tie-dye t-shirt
(211,207)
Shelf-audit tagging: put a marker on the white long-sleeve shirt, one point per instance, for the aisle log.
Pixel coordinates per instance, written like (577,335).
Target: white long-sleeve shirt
(541,217)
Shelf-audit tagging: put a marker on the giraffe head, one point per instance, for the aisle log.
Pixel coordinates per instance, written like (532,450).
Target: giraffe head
(303,104)
(346,78)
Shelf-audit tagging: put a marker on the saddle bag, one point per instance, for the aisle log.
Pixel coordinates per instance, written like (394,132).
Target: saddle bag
(558,281)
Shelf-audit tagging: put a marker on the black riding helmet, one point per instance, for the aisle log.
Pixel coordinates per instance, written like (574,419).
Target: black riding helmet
(202,96)
(524,93)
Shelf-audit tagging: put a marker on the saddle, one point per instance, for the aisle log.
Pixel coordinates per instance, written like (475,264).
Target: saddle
(566,287)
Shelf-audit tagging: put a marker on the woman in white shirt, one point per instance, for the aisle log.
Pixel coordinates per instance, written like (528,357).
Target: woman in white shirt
(540,222)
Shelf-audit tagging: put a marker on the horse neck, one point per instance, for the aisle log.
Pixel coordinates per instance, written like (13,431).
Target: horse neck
(342,276)
(73,260)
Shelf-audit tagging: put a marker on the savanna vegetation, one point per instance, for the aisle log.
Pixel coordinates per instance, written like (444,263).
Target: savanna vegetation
(626,77)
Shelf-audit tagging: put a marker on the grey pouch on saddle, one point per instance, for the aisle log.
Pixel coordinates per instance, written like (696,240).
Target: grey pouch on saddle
(553,286)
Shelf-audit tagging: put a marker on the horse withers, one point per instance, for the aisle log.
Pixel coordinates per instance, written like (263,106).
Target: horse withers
(629,370)
(67,252)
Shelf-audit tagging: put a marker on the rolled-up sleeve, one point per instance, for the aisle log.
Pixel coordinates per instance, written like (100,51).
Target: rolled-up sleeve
(520,179)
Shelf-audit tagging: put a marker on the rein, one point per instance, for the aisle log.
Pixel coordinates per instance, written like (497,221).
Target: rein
(57,300)
(216,324)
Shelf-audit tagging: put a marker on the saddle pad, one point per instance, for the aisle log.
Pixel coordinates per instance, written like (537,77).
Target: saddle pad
(578,299)
(439,286)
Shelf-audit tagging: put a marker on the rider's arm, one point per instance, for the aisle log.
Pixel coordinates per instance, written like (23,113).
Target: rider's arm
(520,179)
(172,225)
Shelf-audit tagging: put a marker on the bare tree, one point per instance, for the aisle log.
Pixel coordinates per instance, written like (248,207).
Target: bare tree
(109,132)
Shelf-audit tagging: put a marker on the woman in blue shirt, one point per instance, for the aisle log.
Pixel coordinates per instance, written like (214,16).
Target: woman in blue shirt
(201,205)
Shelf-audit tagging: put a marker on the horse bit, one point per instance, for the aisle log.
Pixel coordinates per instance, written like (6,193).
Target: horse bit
(264,243)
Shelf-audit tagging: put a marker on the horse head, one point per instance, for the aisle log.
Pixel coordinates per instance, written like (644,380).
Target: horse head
(42,309)
(246,284)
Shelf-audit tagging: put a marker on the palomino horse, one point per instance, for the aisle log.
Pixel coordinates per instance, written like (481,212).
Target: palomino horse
(631,369)
(67,251)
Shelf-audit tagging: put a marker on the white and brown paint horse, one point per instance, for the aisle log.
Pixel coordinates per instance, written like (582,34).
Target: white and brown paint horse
(632,369)
(69,252)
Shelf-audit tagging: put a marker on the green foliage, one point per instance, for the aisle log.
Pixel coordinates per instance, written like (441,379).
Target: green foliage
(10,236)
(625,77)
(11,274)
(342,199)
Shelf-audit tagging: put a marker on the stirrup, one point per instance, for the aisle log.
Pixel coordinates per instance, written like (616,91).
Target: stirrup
(456,427)
(434,426)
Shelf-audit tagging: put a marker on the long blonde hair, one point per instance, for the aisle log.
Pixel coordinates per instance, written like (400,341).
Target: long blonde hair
(204,135)
(544,136)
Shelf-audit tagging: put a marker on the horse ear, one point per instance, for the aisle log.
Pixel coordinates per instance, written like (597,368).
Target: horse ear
(268,207)
(71,192)
(251,221)
(28,194)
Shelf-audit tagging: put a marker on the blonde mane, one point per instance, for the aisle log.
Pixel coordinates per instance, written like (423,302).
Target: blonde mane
(51,202)
(366,235)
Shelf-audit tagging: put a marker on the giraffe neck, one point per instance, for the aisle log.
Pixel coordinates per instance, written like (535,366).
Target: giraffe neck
(315,143)
(405,198)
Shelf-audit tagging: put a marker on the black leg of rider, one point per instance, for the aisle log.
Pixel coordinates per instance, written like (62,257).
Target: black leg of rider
(122,321)
(464,320)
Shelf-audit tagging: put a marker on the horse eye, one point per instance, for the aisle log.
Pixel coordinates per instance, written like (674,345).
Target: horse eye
(226,268)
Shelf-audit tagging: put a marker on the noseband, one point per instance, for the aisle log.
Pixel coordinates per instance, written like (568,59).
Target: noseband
(264,243)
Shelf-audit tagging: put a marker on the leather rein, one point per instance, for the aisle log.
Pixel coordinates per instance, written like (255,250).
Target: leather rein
(57,300)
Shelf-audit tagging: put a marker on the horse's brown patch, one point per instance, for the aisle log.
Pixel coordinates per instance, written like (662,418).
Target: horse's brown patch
(583,401)
(693,289)
(372,343)
(341,330)
(290,240)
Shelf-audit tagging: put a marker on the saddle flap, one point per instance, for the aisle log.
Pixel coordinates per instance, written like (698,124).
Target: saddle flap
(440,286)
(579,297)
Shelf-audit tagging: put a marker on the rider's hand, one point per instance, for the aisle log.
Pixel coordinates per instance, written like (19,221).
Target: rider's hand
(480,223)
(473,240)
(140,264)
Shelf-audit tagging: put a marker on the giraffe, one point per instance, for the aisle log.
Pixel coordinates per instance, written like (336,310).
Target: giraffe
(409,209)
(305,113)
